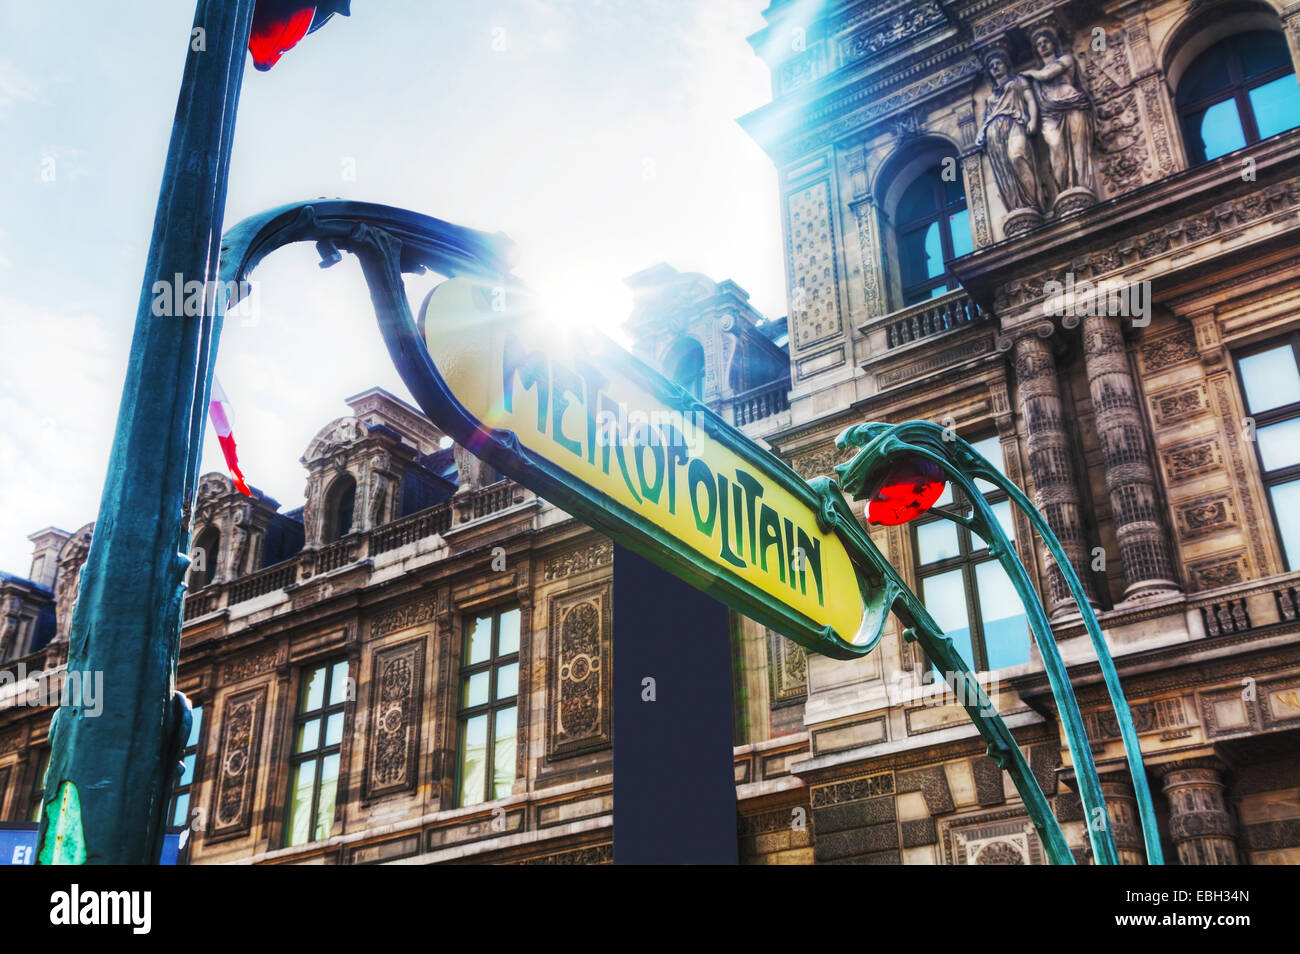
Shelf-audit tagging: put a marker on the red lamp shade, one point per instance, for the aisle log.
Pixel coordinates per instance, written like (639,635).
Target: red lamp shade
(908,489)
(278,25)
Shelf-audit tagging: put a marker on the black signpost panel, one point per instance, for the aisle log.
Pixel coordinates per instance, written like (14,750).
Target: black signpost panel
(674,784)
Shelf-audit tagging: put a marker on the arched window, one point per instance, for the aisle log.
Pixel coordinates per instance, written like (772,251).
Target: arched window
(685,366)
(339,504)
(1239,91)
(931,228)
(203,558)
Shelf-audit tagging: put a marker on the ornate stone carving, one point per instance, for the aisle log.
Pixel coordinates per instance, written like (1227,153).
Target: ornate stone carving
(1212,574)
(1204,516)
(567,564)
(254,664)
(579,712)
(787,667)
(1169,350)
(241,732)
(68,581)
(397,688)
(415,613)
(1192,459)
(820,462)
(1067,121)
(814,279)
(1179,404)
(881,36)
(872,294)
(1010,120)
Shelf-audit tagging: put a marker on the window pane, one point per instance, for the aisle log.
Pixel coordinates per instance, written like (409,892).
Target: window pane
(1279,444)
(313,691)
(1207,75)
(922,254)
(339,683)
(936,540)
(1006,636)
(308,736)
(334,729)
(1270,379)
(944,596)
(918,199)
(478,641)
(1003,512)
(1261,51)
(945,498)
(509,640)
(1276,106)
(1214,132)
(1286,505)
(328,787)
(990,448)
(304,781)
(508,681)
(196,729)
(187,772)
(503,756)
(961,237)
(181,816)
(473,760)
(474,690)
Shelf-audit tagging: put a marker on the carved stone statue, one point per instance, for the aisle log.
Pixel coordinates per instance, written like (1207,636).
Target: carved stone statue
(1066,113)
(1010,119)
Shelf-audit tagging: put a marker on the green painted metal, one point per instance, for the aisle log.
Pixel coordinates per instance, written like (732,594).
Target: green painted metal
(118,767)
(389,242)
(881,443)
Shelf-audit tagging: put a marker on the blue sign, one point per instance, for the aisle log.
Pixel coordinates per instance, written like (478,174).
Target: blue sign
(18,845)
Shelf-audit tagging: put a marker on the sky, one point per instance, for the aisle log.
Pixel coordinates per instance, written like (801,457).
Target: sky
(600,135)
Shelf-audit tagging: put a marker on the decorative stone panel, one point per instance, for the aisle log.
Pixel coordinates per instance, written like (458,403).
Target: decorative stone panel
(396,693)
(579,672)
(236,788)
(814,279)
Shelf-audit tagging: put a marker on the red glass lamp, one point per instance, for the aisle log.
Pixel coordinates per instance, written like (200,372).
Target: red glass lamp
(908,488)
(278,25)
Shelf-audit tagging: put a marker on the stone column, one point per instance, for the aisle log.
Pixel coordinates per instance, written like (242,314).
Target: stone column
(1051,464)
(1127,456)
(1199,822)
(1121,806)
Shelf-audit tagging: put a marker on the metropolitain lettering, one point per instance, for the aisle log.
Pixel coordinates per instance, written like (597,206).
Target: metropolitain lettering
(655,457)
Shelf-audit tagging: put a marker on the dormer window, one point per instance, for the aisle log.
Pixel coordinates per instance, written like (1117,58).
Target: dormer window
(339,505)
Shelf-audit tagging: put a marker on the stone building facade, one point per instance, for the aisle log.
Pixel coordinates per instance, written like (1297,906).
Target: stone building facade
(1068,231)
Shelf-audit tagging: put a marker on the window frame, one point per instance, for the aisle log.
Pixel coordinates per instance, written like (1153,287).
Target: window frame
(190,788)
(491,665)
(320,752)
(1238,91)
(945,209)
(968,559)
(1268,479)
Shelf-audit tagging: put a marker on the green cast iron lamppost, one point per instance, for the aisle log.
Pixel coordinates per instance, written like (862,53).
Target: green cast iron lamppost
(110,775)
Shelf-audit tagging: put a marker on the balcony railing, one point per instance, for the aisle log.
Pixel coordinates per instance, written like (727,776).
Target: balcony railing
(417,526)
(929,318)
(761,402)
(438,519)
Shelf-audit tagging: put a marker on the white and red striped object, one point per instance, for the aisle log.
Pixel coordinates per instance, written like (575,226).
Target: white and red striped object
(219,412)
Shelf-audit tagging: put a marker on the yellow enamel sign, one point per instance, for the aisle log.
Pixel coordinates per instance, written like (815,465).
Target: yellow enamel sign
(590,409)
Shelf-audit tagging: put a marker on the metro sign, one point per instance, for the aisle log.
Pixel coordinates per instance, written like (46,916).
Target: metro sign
(624,449)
